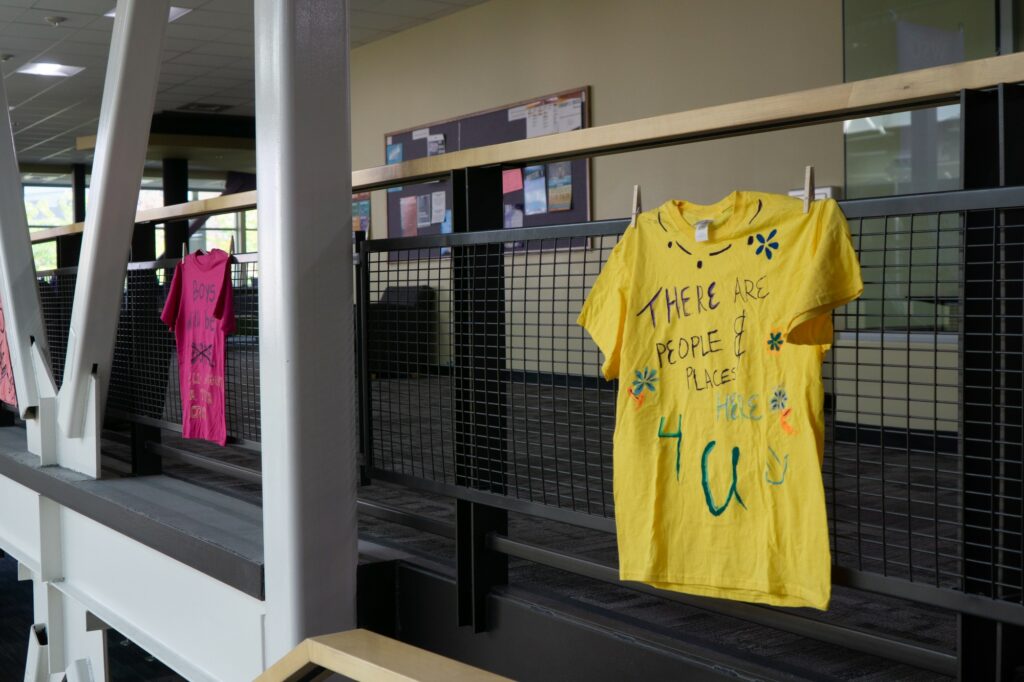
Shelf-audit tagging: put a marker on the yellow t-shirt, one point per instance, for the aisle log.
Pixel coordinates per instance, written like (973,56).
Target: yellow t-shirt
(717,345)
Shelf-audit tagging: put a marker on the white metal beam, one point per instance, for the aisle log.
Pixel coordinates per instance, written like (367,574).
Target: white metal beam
(303,160)
(125,115)
(18,288)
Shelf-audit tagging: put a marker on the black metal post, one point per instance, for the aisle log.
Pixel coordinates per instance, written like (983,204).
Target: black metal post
(175,177)
(362,357)
(990,362)
(70,247)
(480,387)
(145,462)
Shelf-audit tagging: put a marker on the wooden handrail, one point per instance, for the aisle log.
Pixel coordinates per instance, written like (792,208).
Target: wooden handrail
(369,657)
(924,87)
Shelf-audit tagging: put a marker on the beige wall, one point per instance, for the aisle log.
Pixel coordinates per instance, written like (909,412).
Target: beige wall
(641,58)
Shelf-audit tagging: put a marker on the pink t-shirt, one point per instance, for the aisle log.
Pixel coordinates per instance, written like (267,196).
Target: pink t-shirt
(200,312)
(7,392)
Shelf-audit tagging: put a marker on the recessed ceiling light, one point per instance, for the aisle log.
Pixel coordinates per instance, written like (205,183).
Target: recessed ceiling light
(172,14)
(48,69)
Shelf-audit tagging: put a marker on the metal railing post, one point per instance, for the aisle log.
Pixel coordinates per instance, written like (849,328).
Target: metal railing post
(479,382)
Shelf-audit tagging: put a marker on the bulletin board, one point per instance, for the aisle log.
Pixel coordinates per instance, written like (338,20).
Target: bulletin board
(541,194)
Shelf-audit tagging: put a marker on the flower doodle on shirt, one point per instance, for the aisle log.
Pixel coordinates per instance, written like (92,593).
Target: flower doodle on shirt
(644,380)
(775,340)
(766,244)
(202,352)
(778,399)
(784,461)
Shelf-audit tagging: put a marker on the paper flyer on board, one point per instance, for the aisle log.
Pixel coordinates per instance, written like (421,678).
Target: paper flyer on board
(408,211)
(435,144)
(536,191)
(423,210)
(513,215)
(569,114)
(560,186)
(540,119)
(437,206)
(511,180)
(394,155)
(361,212)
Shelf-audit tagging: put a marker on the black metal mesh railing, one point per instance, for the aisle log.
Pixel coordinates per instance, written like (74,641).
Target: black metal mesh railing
(479,375)
(892,468)
(56,294)
(144,376)
(481,379)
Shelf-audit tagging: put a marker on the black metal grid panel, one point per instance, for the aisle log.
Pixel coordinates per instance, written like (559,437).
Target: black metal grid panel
(144,380)
(901,500)
(509,402)
(56,294)
(892,469)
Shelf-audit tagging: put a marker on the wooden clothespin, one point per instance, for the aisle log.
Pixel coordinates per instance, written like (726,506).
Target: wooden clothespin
(808,187)
(636,204)
(184,250)
(231,246)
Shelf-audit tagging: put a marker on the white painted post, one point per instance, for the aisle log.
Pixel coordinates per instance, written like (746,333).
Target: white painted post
(129,91)
(18,289)
(303,159)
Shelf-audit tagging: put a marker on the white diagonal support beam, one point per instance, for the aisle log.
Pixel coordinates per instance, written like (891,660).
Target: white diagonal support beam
(18,288)
(304,168)
(129,91)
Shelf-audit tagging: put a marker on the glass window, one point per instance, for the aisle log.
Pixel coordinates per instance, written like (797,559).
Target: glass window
(910,151)
(48,206)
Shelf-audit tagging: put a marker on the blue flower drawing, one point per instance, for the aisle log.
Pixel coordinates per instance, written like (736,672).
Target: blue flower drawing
(778,399)
(766,244)
(775,341)
(644,380)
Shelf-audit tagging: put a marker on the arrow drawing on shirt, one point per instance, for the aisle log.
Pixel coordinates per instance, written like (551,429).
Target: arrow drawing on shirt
(784,461)
(202,352)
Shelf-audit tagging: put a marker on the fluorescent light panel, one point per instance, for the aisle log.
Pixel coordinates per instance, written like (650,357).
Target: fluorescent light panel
(174,13)
(50,69)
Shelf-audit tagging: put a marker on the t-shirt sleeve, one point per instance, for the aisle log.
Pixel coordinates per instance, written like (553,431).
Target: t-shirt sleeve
(224,308)
(604,312)
(830,277)
(170,314)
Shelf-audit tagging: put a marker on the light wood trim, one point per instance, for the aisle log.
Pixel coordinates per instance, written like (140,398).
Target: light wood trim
(229,203)
(819,105)
(54,232)
(369,657)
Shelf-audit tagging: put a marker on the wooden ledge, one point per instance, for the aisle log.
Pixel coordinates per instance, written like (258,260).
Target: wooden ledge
(368,657)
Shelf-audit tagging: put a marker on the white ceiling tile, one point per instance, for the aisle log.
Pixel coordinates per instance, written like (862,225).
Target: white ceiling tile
(72,20)
(204,17)
(238,37)
(229,49)
(208,60)
(91,36)
(208,57)
(179,30)
(86,6)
